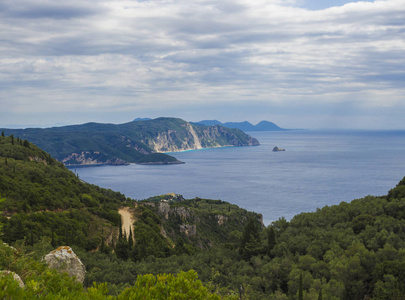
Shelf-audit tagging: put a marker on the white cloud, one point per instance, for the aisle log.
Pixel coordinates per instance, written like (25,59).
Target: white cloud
(100,55)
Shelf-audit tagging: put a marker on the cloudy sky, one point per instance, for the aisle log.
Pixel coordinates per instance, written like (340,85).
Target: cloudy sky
(298,63)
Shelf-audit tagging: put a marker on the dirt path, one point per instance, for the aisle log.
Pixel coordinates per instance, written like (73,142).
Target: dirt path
(127,219)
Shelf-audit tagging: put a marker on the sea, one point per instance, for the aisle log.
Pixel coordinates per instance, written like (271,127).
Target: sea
(317,168)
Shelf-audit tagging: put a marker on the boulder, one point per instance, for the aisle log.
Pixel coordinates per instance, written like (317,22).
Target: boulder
(15,276)
(64,259)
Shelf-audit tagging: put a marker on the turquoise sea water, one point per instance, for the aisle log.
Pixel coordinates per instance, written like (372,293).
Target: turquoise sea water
(318,168)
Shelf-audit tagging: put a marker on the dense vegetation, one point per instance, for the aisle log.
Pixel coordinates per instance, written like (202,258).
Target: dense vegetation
(44,283)
(43,198)
(348,251)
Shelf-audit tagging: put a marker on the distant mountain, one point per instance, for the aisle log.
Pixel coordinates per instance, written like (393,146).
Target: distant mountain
(140,142)
(244,126)
(142,119)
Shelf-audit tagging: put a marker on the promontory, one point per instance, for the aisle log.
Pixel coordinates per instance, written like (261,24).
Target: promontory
(143,142)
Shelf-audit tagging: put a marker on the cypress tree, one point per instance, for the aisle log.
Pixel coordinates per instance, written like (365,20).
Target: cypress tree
(271,240)
(320,295)
(101,249)
(300,291)
(12,139)
(120,230)
(2,133)
(130,239)
(52,237)
(31,236)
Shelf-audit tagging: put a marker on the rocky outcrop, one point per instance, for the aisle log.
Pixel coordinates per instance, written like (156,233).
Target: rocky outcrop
(188,230)
(91,158)
(64,259)
(164,210)
(221,219)
(15,276)
(183,212)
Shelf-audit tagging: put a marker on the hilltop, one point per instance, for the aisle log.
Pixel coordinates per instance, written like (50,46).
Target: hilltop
(244,126)
(144,141)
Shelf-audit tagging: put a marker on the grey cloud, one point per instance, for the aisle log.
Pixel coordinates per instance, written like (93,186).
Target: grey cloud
(47,9)
(179,49)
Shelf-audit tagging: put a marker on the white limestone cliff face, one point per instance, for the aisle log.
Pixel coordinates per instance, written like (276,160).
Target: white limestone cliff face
(193,138)
(64,259)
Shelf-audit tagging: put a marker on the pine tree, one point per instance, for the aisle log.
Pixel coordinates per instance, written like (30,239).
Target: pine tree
(251,243)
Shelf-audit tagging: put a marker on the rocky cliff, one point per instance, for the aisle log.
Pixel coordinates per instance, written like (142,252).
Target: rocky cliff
(193,137)
(201,222)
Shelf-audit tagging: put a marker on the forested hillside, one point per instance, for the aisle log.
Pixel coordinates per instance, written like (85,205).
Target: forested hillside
(348,251)
(43,198)
(133,142)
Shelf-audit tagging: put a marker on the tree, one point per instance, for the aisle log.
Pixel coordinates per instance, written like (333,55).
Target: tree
(251,243)
(300,291)
(1,200)
(168,286)
(271,240)
(130,240)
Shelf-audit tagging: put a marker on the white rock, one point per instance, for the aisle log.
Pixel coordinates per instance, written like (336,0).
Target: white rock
(65,260)
(15,276)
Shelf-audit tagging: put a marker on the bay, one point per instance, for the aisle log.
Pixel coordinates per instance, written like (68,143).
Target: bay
(318,168)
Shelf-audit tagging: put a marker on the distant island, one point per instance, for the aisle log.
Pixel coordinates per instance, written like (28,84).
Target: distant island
(142,141)
(276,149)
(244,126)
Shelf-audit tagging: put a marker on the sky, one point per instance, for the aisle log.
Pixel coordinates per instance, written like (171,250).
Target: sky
(297,63)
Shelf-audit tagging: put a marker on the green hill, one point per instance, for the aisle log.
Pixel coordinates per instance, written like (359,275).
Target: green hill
(133,142)
(352,250)
(44,205)
(43,198)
